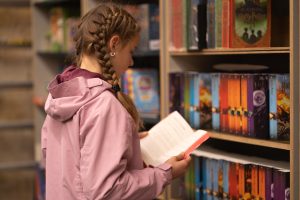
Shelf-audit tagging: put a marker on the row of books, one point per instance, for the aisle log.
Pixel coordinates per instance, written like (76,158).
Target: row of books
(219,176)
(198,24)
(62,28)
(147,16)
(141,84)
(254,105)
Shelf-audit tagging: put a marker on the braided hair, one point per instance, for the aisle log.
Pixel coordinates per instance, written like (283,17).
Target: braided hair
(94,31)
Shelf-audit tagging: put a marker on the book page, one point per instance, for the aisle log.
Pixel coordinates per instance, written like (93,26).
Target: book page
(170,137)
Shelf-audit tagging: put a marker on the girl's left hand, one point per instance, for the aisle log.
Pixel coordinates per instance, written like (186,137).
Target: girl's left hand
(143,134)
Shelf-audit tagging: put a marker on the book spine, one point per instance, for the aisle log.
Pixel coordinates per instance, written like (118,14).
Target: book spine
(192,30)
(215,101)
(283,106)
(273,106)
(202,24)
(261,108)
(262,182)
(250,108)
(244,105)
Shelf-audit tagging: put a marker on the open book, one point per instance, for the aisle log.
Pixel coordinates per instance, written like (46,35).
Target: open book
(170,137)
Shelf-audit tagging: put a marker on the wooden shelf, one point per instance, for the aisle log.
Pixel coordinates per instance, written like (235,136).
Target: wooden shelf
(18,165)
(146,54)
(16,124)
(53,3)
(233,51)
(14,3)
(254,141)
(24,84)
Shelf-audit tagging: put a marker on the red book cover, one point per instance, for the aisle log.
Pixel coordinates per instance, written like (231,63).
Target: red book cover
(262,182)
(251,23)
(241,181)
(176,21)
(224,102)
(254,177)
(237,103)
(233,181)
(231,103)
(225,23)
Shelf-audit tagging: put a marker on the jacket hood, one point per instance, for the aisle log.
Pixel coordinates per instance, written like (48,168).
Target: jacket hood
(66,98)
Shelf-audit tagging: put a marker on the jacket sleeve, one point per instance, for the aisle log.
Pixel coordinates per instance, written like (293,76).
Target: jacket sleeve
(44,142)
(106,147)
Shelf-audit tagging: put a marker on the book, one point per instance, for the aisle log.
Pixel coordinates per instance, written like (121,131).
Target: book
(279,105)
(171,136)
(251,23)
(142,86)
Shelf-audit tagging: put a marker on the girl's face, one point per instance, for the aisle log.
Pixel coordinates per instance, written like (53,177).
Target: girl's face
(123,57)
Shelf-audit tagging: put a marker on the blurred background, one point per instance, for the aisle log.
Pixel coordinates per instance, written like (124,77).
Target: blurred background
(36,44)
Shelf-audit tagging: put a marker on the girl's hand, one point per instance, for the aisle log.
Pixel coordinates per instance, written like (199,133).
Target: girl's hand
(179,165)
(143,134)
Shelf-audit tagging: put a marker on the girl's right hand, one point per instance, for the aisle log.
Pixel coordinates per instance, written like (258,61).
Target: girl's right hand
(179,165)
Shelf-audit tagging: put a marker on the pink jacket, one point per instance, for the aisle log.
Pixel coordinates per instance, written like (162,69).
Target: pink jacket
(91,148)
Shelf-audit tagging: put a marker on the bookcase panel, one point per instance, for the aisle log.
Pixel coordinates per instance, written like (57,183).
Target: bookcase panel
(281,57)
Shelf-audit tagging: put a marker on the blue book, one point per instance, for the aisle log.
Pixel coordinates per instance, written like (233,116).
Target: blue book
(215,182)
(143,89)
(204,177)
(215,101)
(194,101)
(197,169)
(225,180)
(205,101)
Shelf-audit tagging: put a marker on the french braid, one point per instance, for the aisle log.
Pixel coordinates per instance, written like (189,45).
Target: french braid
(94,31)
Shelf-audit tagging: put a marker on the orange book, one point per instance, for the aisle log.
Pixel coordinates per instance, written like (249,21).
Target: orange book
(254,178)
(241,181)
(231,103)
(262,182)
(225,23)
(237,103)
(224,102)
(244,120)
(251,23)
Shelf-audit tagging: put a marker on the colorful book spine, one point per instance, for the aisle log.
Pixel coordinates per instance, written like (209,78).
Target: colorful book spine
(262,182)
(194,101)
(231,103)
(236,103)
(279,105)
(225,23)
(154,42)
(226,183)
(211,23)
(192,29)
(187,77)
(218,23)
(198,178)
(205,101)
(258,109)
(224,103)
(215,101)
(244,105)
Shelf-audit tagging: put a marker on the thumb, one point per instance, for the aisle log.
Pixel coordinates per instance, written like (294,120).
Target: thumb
(180,156)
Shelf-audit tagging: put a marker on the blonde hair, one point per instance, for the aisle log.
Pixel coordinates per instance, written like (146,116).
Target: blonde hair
(94,31)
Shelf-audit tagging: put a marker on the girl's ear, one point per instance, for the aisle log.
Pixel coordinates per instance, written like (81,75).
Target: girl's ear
(113,43)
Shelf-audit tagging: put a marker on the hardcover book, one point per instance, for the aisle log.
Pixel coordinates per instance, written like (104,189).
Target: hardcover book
(170,137)
(251,23)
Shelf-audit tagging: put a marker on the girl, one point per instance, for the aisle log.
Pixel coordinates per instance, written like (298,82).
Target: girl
(90,141)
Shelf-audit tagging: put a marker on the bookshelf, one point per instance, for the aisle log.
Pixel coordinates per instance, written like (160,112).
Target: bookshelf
(16,87)
(282,57)
(48,60)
